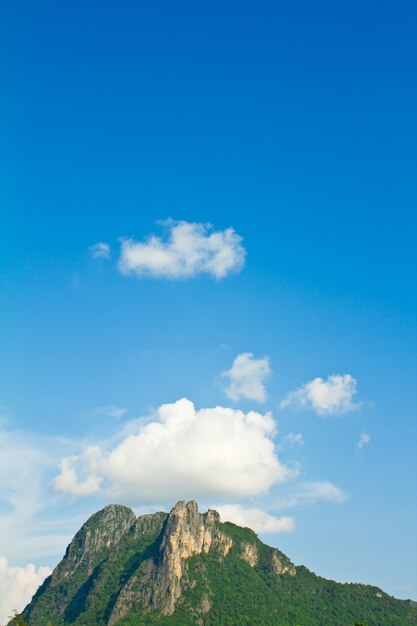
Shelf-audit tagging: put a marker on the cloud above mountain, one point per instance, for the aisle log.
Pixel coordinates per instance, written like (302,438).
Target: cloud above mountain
(184,453)
(254,518)
(190,249)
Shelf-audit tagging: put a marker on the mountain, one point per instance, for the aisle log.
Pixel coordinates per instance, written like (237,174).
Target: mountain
(187,568)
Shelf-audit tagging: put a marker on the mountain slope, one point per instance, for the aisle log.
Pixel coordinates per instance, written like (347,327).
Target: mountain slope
(188,568)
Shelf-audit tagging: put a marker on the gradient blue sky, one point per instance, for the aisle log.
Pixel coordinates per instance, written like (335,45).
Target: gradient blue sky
(295,124)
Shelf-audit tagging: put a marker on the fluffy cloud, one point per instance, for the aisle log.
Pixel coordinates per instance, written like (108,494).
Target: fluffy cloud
(191,249)
(183,454)
(258,520)
(67,481)
(363,440)
(247,377)
(17,586)
(100,250)
(331,396)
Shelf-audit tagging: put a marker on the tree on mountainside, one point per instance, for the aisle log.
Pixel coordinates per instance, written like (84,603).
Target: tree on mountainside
(17,619)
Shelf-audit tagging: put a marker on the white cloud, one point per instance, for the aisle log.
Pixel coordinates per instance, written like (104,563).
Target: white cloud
(25,464)
(295,439)
(210,453)
(256,519)
(310,493)
(317,491)
(331,396)
(109,410)
(22,466)
(67,480)
(100,250)
(363,440)
(247,377)
(17,586)
(191,249)
(218,454)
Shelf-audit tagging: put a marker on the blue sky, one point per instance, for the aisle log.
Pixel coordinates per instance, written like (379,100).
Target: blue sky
(292,123)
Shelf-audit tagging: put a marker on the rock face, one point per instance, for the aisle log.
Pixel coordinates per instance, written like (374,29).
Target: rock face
(185,568)
(186,533)
(281,566)
(249,554)
(91,546)
(99,534)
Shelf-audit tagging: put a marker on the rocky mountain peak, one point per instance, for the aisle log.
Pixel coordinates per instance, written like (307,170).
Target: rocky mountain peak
(100,533)
(186,533)
(189,568)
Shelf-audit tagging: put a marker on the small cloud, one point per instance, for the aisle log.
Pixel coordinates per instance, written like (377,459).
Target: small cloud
(316,491)
(295,439)
(190,249)
(109,410)
(325,397)
(363,440)
(100,250)
(247,376)
(256,519)
(17,586)
(70,467)
(311,493)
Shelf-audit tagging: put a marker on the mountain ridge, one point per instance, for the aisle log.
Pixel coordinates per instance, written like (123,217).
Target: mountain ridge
(186,567)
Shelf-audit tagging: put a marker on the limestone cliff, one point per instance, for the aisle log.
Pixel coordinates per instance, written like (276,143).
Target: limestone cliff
(157,583)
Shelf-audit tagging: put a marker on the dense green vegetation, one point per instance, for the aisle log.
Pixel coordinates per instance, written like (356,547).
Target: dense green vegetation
(90,594)
(246,596)
(216,590)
